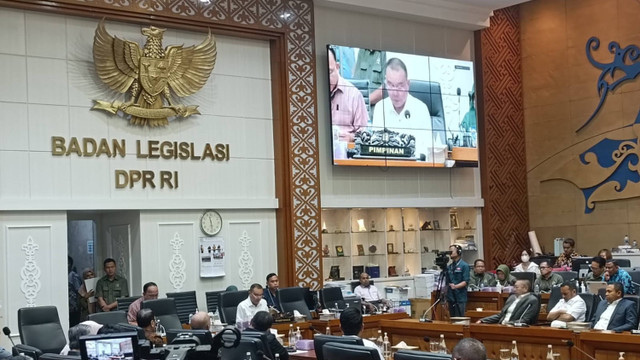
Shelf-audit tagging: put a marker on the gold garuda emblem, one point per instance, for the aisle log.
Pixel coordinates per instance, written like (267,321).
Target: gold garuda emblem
(151,75)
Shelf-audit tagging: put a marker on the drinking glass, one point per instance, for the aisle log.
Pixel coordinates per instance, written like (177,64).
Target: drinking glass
(556,356)
(505,354)
(434,346)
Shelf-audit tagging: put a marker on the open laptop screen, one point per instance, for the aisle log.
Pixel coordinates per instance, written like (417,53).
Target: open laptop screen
(119,346)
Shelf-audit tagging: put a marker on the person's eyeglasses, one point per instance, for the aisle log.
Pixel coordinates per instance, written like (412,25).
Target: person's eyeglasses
(544,267)
(399,86)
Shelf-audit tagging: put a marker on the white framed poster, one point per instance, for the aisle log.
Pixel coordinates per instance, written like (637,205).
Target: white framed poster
(211,254)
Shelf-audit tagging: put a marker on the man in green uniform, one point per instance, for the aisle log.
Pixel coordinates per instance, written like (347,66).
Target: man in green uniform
(479,278)
(547,278)
(110,287)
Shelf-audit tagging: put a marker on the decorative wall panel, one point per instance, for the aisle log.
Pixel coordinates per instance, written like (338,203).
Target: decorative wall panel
(252,250)
(288,24)
(178,265)
(503,170)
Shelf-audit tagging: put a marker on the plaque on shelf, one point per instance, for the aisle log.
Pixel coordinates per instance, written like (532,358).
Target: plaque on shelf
(339,250)
(357,270)
(436,224)
(454,220)
(392,271)
(426,225)
(390,248)
(373,271)
(325,250)
(334,273)
(361,226)
(360,249)
(373,226)
(373,248)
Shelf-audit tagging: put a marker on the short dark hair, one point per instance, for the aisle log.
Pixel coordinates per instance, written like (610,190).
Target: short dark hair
(477,261)
(469,349)
(570,284)
(147,285)
(333,52)
(144,317)
(75,332)
(270,276)
(617,286)
(569,241)
(255,286)
(613,261)
(600,260)
(262,321)
(545,261)
(351,321)
(397,64)
(108,260)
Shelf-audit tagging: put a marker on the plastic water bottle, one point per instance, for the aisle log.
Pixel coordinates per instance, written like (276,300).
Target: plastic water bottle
(386,347)
(549,352)
(536,288)
(298,334)
(327,331)
(499,287)
(247,356)
(160,331)
(443,345)
(514,351)
(626,239)
(379,341)
(583,287)
(292,337)
(621,356)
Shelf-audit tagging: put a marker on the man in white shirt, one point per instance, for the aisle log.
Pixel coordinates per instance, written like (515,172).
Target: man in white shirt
(250,306)
(368,293)
(617,313)
(351,325)
(570,308)
(402,112)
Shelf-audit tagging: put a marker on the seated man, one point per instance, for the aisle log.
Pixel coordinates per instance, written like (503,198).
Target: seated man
(75,332)
(200,321)
(262,322)
(613,274)
(149,292)
(4,354)
(368,293)
(351,324)
(523,307)
(469,349)
(147,321)
(503,276)
(479,278)
(597,269)
(547,278)
(617,313)
(570,308)
(271,292)
(565,259)
(250,306)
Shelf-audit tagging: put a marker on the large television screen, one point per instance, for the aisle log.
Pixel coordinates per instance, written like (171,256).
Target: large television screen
(401,110)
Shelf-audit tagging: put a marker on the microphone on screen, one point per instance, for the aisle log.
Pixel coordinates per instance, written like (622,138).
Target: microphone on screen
(570,344)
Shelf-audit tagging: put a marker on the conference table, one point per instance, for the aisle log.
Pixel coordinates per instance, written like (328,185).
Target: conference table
(371,324)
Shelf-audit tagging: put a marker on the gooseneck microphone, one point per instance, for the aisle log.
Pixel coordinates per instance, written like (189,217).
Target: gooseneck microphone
(519,323)
(570,344)
(7,332)
(424,315)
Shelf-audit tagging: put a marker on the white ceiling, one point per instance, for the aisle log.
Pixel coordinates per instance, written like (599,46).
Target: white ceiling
(465,14)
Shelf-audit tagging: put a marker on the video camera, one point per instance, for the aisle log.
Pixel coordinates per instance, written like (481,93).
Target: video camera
(442,259)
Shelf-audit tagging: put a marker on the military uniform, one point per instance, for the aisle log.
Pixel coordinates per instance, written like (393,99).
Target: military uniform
(547,284)
(111,290)
(591,277)
(482,280)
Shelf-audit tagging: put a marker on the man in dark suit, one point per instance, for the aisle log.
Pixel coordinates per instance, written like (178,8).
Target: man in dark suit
(523,307)
(617,313)
(261,322)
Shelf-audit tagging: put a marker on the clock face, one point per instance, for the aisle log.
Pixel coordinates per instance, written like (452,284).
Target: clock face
(211,223)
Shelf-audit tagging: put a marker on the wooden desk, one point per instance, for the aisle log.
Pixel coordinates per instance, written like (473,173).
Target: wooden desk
(311,354)
(465,154)
(371,324)
(532,341)
(305,328)
(413,332)
(606,346)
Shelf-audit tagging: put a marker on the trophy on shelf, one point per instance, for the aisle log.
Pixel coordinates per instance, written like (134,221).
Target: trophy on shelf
(373,248)
(373,226)
(324,227)
(325,250)
(391,228)
(361,226)
(426,225)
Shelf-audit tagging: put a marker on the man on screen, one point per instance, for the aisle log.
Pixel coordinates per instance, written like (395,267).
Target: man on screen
(348,110)
(402,112)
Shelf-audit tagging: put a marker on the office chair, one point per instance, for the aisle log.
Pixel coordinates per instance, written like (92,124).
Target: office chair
(246,345)
(229,301)
(419,355)
(354,284)
(363,86)
(636,300)
(49,356)
(109,317)
(264,339)
(204,336)
(554,297)
(40,331)
(186,304)
(165,310)
(320,339)
(213,300)
(330,297)
(622,262)
(531,276)
(591,301)
(429,92)
(123,303)
(293,298)
(635,277)
(337,351)
(567,275)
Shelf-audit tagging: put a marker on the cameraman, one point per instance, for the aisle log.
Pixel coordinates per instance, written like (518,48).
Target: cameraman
(458,278)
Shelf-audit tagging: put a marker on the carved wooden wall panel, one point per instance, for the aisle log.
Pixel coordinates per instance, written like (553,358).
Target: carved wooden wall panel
(503,169)
(288,24)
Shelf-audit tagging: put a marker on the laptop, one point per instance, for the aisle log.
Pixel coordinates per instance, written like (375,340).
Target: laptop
(594,286)
(121,346)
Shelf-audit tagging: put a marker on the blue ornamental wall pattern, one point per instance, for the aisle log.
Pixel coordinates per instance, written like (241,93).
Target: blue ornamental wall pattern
(608,170)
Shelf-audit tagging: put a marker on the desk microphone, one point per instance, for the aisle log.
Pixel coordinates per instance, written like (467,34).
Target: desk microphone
(424,315)
(570,344)
(315,331)
(519,323)
(407,114)
(7,332)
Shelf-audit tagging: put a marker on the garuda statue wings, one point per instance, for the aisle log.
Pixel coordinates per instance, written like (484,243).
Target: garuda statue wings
(151,74)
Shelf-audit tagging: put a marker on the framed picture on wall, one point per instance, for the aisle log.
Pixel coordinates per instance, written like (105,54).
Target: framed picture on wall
(454,220)
(339,250)
(390,248)
(436,224)
(360,250)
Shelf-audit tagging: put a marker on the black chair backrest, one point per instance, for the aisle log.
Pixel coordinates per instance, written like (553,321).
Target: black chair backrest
(213,300)
(109,317)
(40,327)
(591,301)
(264,339)
(354,284)
(186,304)
(165,310)
(363,86)
(294,298)
(635,277)
(123,303)
(602,294)
(567,275)
(419,355)
(554,297)
(531,276)
(320,339)
(50,356)
(429,92)
(331,296)
(636,299)
(204,336)
(229,301)
(622,262)
(247,345)
(338,351)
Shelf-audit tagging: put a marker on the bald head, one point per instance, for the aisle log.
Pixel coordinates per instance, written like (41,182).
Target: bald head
(200,320)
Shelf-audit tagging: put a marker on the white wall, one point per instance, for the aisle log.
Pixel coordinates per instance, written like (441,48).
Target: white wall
(388,187)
